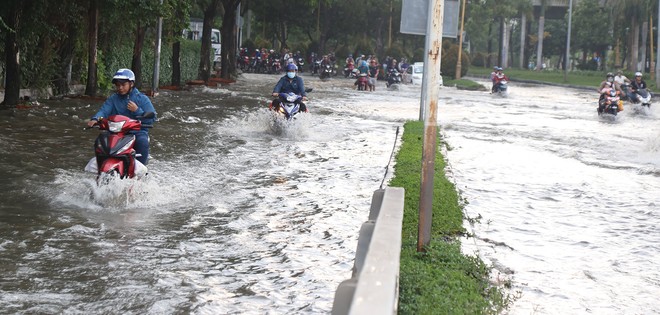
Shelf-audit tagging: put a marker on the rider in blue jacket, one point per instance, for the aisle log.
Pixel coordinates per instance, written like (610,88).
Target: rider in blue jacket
(290,83)
(128,101)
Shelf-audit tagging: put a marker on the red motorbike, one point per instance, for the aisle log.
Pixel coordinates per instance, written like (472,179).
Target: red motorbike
(113,148)
(362,82)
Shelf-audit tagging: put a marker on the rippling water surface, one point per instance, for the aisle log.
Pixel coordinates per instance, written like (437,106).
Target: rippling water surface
(568,201)
(241,216)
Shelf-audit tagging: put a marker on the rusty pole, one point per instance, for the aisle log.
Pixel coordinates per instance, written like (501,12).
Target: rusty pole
(460,43)
(430,96)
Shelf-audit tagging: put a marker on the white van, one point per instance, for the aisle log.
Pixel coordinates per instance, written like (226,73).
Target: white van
(415,73)
(215,44)
(194,32)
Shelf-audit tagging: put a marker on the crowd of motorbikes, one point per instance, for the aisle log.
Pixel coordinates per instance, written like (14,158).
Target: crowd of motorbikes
(273,62)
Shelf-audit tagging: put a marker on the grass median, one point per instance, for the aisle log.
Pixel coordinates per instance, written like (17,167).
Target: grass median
(442,280)
(575,78)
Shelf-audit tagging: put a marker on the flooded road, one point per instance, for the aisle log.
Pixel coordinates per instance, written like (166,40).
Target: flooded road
(241,216)
(568,201)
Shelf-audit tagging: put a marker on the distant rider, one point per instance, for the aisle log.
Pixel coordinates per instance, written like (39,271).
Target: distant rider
(608,96)
(129,102)
(289,83)
(609,83)
(498,78)
(637,85)
(621,79)
(492,74)
(373,74)
(350,60)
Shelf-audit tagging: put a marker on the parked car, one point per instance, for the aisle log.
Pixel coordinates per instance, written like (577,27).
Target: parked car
(415,73)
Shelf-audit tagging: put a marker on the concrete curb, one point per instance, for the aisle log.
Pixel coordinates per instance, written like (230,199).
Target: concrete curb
(374,285)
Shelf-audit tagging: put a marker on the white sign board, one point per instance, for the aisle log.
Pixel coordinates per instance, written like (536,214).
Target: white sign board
(415,13)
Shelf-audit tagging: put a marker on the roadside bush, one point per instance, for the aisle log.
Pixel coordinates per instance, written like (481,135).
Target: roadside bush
(589,65)
(479,59)
(450,59)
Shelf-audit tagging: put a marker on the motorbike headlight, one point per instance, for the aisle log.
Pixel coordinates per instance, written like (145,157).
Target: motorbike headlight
(115,126)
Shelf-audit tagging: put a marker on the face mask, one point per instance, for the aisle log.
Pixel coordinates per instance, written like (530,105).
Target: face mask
(290,75)
(610,79)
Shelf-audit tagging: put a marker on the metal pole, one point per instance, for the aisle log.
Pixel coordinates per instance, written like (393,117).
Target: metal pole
(568,40)
(460,44)
(431,93)
(657,52)
(156,79)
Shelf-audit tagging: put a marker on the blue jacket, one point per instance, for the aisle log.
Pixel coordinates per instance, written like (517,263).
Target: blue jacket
(286,85)
(117,105)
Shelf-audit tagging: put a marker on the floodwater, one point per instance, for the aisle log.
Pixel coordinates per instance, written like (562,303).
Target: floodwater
(243,216)
(567,202)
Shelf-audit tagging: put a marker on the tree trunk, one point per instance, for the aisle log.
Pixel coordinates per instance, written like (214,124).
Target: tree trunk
(634,52)
(66,53)
(645,36)
(92,37)
(490,45)
(523,40)
(539,47)
(500,43)
(136,62)
(528,45)
(204,70)
(176,63)
(229,32)
(12,57)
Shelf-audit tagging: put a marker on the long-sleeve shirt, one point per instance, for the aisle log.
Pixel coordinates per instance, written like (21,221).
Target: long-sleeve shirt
(286,85)
(117,104)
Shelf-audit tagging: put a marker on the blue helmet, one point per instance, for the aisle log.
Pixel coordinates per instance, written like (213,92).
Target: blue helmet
(291,67)
(124,74)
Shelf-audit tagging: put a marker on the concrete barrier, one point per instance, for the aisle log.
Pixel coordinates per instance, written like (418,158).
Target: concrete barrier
(374,285)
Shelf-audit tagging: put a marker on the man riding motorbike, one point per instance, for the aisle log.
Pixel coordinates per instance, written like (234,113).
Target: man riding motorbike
(609,83)
(497,78)
(129,102)
(635,86)
(289,83)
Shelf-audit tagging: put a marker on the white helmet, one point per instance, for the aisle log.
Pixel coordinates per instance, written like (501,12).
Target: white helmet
(124,74)
(638,74)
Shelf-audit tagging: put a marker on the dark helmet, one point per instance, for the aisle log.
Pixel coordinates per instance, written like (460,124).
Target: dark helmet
(609,74)
(291,67)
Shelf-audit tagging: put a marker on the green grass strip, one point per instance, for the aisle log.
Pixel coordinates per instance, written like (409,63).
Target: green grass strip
(580,78)
(442,280)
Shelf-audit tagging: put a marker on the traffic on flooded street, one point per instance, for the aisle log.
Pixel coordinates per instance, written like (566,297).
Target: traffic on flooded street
(242,214)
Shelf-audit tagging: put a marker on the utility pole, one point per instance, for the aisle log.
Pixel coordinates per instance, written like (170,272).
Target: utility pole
(460,43)
(433,50)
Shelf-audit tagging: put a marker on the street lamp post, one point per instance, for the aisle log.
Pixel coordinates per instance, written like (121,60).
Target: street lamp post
(460,43)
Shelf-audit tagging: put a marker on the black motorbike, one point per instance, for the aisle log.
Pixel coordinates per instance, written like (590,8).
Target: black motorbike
(393,77)
(325,71)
